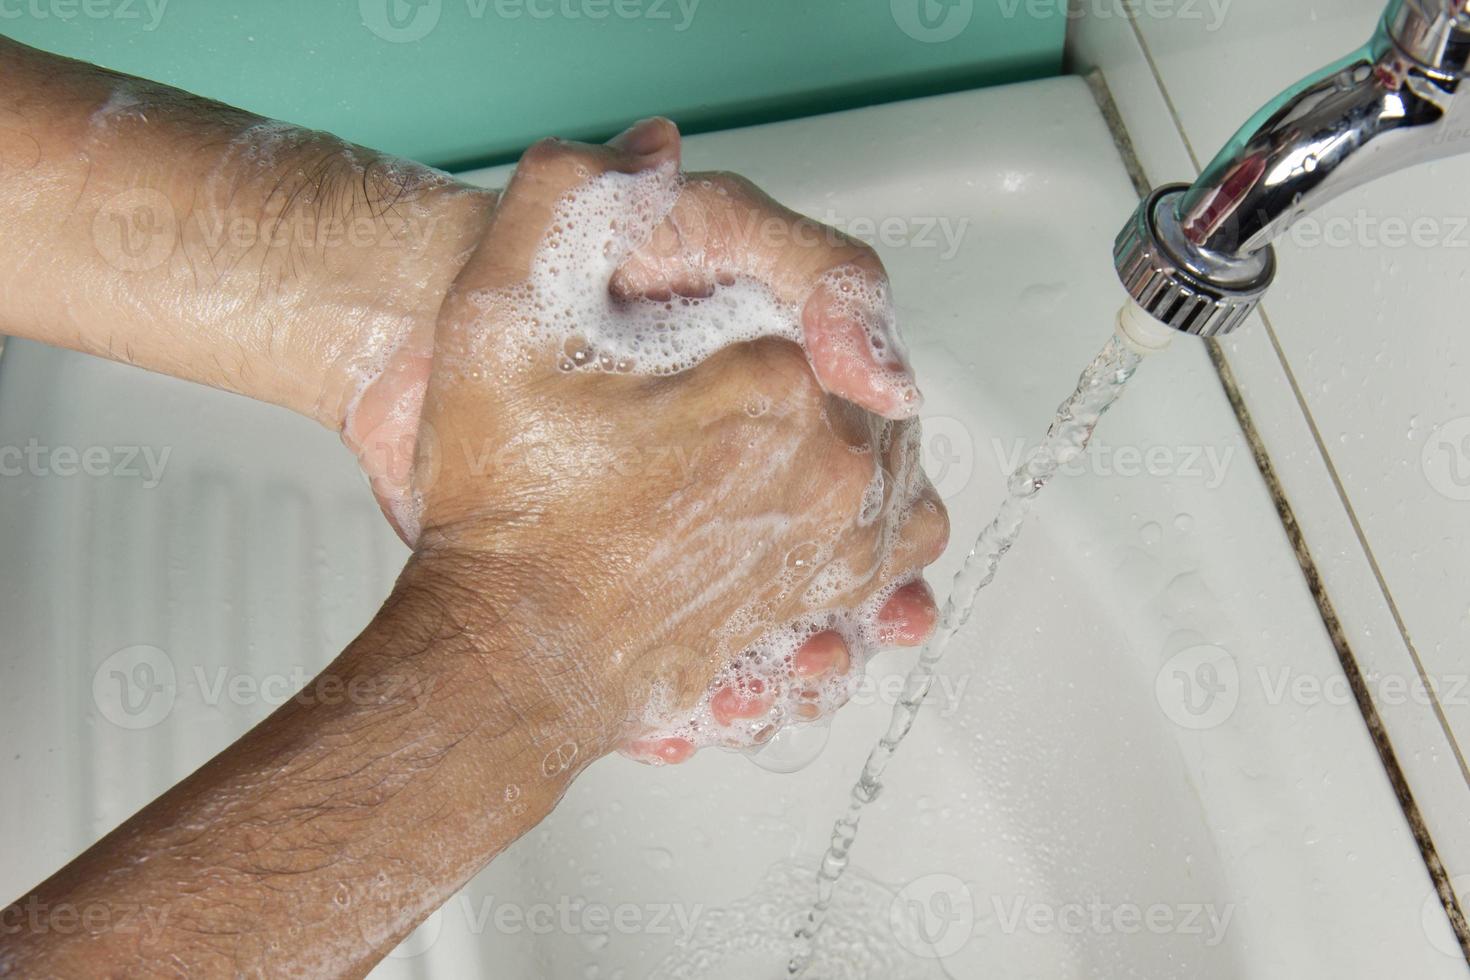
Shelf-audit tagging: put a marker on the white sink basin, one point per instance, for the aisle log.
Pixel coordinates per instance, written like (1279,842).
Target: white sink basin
(1108,781)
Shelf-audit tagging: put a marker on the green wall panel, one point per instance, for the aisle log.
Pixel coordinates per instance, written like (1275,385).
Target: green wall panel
(455,82)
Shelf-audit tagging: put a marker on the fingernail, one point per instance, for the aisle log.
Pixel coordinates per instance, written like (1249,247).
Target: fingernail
(891,358)
(673,751)
(661,751)
(642,139)
(821,654)
(908,399)
(727,705)
(908,617)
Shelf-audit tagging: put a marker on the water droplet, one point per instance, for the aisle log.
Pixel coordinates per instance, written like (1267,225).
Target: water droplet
(757,405)
(658,858)
(1040,299)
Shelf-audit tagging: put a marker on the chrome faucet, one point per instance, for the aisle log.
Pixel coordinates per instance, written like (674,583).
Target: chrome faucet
(1198,257)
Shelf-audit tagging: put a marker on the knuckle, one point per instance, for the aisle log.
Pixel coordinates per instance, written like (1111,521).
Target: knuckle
(927,528)
(724,183)
(541,154)
(556,161)
(859,260)
(845,264)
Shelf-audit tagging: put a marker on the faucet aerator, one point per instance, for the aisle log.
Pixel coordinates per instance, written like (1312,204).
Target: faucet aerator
(1198,257)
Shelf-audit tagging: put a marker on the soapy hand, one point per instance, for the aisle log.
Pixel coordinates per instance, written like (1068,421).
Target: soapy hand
(654,452)
(676,420)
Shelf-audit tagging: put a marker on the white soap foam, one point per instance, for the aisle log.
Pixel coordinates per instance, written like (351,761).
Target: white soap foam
(566,306)
(566,316)
(766,670)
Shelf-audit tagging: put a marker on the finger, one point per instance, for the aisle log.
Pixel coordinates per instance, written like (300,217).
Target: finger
(520,224)
(382,427)
(730,704)
(547,171)
(822,655)
(907,619)
(821,697)
(649,142)
(820,658)
(723,227)
(660,751)
(924,534)
(853,343)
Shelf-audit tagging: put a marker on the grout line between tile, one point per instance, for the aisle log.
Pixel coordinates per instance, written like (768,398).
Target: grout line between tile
(1153,69)
(1345,656)
(1358,532)
(1322,449)
(1429,853)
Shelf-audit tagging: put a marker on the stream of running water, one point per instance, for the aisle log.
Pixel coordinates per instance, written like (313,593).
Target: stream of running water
(1066,439)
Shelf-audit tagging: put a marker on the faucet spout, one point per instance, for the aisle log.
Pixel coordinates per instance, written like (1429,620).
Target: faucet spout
(1198,257)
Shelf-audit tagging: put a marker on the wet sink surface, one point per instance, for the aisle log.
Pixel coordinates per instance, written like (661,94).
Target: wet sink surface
(1113,778)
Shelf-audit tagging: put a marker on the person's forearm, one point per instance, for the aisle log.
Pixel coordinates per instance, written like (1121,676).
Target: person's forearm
(153,227)
(319,840)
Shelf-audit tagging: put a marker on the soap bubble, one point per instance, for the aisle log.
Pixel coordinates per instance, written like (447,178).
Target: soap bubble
(793,748)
